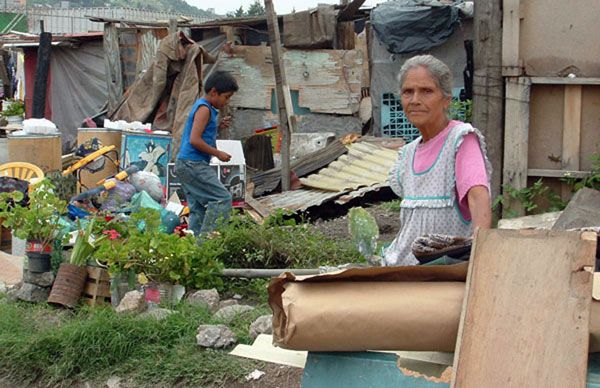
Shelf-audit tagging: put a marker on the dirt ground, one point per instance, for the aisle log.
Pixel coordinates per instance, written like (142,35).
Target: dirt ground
(276,376)
(388,222)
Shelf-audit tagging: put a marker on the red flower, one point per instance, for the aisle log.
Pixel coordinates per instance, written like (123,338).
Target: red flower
(112,234)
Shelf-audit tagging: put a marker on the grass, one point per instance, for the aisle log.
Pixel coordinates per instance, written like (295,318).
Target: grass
(50,347)
(392,206)
(278,243)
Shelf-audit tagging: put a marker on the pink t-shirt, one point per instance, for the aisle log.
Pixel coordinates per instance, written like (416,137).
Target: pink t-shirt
(469,169)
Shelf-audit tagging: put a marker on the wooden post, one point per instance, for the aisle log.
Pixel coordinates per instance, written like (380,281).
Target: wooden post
(112,64)
(511,65)
(172,26)
(281,84)
(488,93)
(41,74)
(516,137)
(571,144)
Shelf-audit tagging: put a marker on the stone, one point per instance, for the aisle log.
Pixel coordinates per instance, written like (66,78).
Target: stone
(44,279)
(32,293)
(157,313)
(582,211)
(262,325)
(227,302)
(132,302)
(238,297)
(215,336)
(13,295)
(230,312)
(208,298)
(114,382)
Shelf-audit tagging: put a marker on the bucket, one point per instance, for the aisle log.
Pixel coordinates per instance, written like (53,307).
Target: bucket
(5,238)
(68,285)
(38,262)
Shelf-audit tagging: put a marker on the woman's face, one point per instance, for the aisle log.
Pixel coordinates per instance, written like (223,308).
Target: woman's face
(423,102)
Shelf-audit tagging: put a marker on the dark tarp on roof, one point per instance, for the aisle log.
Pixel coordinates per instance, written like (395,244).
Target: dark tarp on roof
(406,26)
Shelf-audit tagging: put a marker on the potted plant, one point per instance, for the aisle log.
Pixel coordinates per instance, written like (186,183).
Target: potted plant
(14,112)
(71,277)
(37,222)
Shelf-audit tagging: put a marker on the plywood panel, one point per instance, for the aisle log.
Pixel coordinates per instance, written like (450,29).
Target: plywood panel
(558,37)
(526,310)
(545,127)
(328,81)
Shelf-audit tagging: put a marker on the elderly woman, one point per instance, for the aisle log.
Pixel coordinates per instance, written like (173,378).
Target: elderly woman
(443,175)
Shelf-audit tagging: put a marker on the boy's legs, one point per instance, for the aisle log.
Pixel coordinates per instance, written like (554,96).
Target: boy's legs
(208,199)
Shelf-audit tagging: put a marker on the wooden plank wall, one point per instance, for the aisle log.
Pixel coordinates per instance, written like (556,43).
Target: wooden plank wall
(559,125)
(328,81)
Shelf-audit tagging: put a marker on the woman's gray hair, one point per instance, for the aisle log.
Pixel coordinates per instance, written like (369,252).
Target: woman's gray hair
(439,71)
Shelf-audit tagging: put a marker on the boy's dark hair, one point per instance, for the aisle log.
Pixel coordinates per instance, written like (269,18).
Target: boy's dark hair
(222,81)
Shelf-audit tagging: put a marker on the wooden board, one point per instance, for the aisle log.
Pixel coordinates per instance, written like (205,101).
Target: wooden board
(43,151)
(107,137)
(516,136)
(526,310)
(327,81)
(112,64)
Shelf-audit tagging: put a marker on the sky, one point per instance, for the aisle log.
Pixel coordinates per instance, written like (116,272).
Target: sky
(222,7)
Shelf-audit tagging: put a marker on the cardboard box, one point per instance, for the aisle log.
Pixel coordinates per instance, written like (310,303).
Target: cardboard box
(232,174)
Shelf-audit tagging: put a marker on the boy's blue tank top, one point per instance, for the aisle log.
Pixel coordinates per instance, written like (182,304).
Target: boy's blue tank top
(187,151)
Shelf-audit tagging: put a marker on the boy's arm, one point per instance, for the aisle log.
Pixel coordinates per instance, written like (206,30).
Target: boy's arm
(201,119)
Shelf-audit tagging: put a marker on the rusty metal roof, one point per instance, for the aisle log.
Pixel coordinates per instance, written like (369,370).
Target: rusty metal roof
(364,165)
(364,169)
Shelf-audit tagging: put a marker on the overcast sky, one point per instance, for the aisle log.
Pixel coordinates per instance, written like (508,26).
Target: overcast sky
(281,6)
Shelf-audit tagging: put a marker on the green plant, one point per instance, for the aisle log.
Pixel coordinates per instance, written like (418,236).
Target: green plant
(461,110)
(393,205)
(139,245)
(529,198)
(16,108)
(37,221)
(278,243)
(85,244)
(592,181)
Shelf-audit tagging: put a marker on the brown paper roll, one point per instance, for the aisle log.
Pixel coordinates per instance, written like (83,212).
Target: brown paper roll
(357,316)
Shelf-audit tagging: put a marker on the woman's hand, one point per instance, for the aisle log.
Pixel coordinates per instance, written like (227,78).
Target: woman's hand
(480,207)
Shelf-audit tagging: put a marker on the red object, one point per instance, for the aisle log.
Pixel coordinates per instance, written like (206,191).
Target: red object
(36,246)
(30,66)
(112,234)
(152,295)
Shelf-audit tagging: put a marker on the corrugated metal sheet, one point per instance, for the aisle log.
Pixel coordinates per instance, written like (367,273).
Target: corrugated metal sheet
(73,20)
(363,170)
(364,165)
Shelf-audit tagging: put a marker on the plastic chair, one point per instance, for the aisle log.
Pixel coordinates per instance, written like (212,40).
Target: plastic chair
(22,170)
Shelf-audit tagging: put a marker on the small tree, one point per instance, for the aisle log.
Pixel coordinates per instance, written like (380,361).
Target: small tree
(256,9)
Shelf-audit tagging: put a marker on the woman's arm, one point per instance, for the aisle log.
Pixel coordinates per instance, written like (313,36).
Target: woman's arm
(480,207)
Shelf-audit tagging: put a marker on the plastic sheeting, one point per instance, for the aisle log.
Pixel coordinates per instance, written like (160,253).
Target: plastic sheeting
(78,87)
(411,26)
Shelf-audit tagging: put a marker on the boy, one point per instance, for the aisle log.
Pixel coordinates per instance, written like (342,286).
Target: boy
(207,198)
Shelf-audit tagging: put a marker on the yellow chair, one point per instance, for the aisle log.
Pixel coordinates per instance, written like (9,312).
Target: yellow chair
(22,170)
